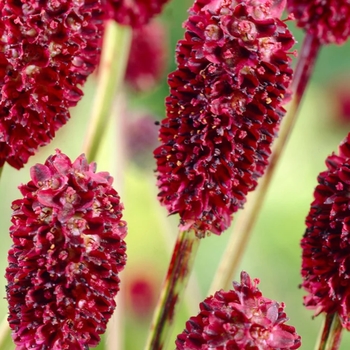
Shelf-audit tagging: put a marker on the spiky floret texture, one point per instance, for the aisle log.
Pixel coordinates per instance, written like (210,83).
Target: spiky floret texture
(326,244)
(224,109)
(327,20)
(67,252)
(239,319)
(47,50)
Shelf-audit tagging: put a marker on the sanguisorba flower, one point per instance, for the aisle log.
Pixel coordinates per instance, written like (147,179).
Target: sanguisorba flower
(134,13)
(47,50)
(328,20)
(148,56)
(326,242)
(239,319)
(68,249)
(223,111)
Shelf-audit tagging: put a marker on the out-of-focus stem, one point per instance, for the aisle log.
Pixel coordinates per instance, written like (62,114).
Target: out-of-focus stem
(331,333)
(175,282)
(246,220)
(115,332)
(115,52)
(4,332)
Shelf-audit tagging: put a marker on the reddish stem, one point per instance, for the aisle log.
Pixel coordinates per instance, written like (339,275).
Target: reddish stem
(178,273)
(331,334)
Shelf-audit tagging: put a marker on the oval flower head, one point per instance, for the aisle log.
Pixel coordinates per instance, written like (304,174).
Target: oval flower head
(68,249)
(327,20)
(224,110)
(134,13)
(326,242)
(47,50)
(239,319)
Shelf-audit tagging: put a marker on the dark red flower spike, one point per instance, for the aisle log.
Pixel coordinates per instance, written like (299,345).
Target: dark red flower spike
(68,250)
(239,319)
(224,110)
(47,50)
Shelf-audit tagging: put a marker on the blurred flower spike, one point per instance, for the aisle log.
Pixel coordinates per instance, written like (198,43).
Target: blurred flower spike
(68,249)
(239,319)
(134,13)
(327,20)
(326,242)
(148,56)
(224,110)
(47,50)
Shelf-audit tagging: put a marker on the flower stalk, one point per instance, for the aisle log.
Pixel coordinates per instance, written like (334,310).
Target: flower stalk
(115,53)
(331,333)
(246,221)
(175,282)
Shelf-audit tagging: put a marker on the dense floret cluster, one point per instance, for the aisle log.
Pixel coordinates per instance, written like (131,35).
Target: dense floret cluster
(47,50)
(239,319)
(326,244)
(68,249)
(224,110)
(327,20)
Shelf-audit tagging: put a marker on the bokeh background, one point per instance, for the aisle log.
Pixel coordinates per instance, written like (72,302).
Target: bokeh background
(273,254)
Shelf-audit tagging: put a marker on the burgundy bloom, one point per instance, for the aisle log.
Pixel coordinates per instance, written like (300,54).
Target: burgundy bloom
(67,252)
(148,56)
(141,137)
(134,13)
(328,20)
(326,242)
(141,290)
(239,319)
(223,111)
(338,90)
(47,50)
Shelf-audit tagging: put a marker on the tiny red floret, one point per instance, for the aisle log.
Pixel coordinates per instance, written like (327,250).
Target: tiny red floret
(224,110)
(239,319)
(327,20)
(47,50)
(68,249)
(326,242)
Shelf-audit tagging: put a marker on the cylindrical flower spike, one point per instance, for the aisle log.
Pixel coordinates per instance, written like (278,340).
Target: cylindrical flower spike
(327,20)
(326,244)
(239,319)
(224,109)
(148,56)
(135,13)
(47,50)
(68,249)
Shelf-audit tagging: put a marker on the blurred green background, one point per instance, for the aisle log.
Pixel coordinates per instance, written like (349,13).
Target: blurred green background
(273,254)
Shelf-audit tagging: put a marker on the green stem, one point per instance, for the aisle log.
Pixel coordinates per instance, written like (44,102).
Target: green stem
(246,220)
(114,57)
(175,282)
(331,333)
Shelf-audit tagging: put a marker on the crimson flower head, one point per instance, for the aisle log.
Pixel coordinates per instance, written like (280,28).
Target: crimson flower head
(326,242)
(47,50)
(224,109)
(134,13)
(68,249)
(327,20)
(148,56)
(239,319)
